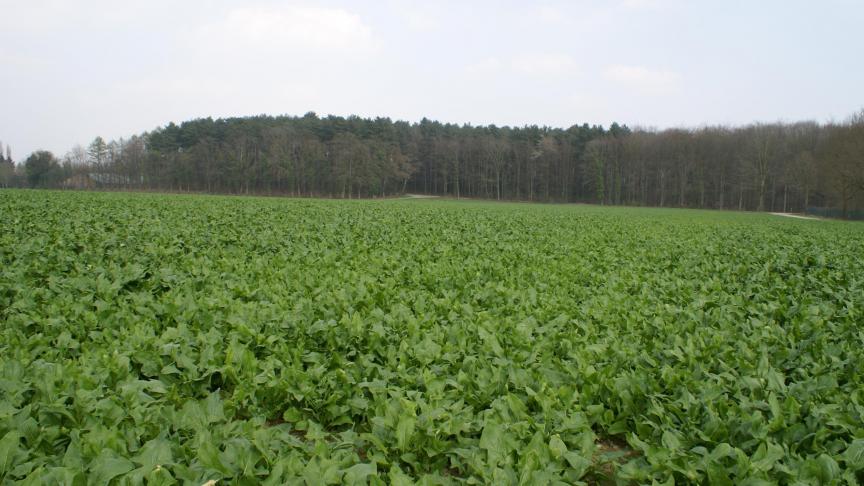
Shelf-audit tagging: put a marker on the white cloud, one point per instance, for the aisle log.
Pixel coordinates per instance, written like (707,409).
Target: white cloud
(289,28)
(10,59)
(541,64)
(158,99)
(551,15)
(642,4)
(421,20)
(643,79)
(488,65)
(45,16)
(248,60)
(245,51)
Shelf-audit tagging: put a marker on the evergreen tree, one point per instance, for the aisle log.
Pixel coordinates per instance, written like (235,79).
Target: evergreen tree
(98,152)
(42,169)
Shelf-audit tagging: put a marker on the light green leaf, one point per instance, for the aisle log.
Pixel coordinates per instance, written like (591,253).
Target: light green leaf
(154,452)
(557,447)
(358,473)
(853,456)
(670,441)
(10,451)
(404,432)
(107,466)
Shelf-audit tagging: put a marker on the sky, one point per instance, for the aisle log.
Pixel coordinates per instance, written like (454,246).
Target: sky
(71,70)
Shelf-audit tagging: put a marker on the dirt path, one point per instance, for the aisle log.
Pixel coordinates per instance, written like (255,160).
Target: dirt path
(419,196)
(798,216)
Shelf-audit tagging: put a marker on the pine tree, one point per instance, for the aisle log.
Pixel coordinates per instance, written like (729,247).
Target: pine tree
(98,152)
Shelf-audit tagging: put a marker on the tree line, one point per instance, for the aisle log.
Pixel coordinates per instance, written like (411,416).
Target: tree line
(763,167)
(7,167)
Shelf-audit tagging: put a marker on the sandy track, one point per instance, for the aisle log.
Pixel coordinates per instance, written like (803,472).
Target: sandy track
(798,216)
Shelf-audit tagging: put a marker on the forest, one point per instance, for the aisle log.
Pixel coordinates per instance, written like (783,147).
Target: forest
(789,167)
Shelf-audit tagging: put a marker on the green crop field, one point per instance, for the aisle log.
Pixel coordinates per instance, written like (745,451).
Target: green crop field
(152,339)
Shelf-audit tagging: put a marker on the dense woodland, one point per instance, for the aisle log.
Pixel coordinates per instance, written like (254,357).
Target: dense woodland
(770,167)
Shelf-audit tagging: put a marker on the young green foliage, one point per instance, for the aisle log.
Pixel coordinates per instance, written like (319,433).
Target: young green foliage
(168,339)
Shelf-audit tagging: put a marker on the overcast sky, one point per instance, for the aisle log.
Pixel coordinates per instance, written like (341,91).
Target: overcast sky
(71,70)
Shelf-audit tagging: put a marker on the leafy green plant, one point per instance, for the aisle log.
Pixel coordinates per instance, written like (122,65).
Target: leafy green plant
(167,339)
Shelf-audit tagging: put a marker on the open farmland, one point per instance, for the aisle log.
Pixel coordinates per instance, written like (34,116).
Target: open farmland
(165,339)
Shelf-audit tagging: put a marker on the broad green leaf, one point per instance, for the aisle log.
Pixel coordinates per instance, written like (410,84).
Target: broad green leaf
(107,466)
(578,463)
(404,432)
(358,473)
(766,456)
(853,456)
(670,441)
(557,446)
(153,453)
(10,451)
